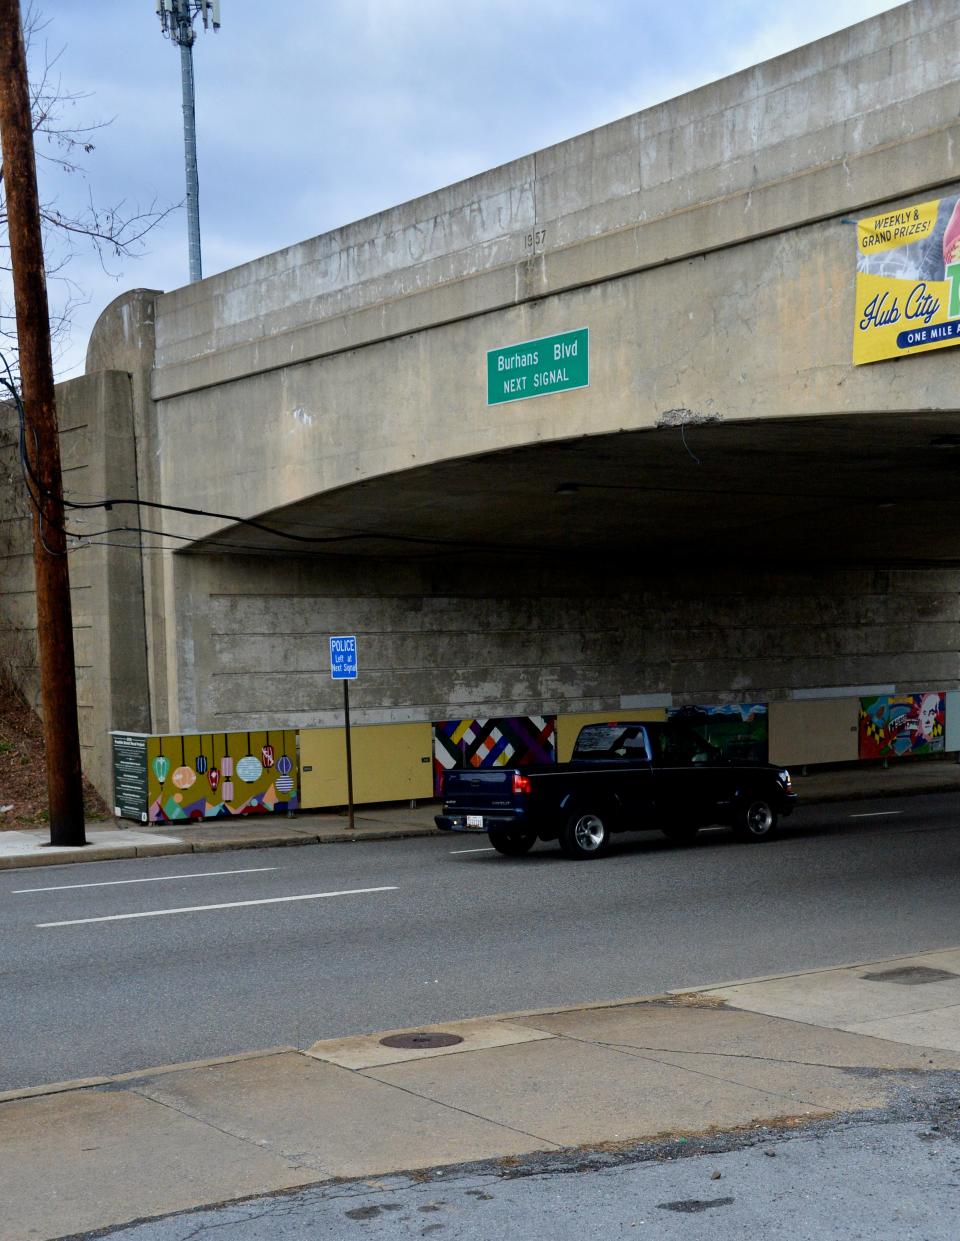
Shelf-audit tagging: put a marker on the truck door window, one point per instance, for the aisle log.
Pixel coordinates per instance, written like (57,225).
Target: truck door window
(684,746)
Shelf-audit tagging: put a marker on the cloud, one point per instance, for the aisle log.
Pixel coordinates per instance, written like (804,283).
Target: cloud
(310,116)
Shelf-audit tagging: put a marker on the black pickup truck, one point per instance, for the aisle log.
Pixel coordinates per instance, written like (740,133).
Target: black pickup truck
(623,776)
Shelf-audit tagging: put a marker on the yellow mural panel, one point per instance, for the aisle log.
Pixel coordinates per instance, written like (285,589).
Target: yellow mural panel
(391,762)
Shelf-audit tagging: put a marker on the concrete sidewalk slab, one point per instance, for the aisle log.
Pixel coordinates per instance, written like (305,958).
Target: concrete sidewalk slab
(80,1161)
(324,1117)
(860,1000)
(937,1028)
(366,1051)
(572,1093)
(668,1028)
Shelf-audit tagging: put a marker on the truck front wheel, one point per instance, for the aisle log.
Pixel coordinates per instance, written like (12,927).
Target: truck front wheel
(513,844)
(584,835)
(755,819)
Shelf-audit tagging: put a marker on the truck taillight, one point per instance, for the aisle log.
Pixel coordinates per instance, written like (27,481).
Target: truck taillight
(521,784)
(440,775)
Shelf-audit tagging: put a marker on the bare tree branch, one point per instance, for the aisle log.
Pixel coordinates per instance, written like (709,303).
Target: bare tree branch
(112,231)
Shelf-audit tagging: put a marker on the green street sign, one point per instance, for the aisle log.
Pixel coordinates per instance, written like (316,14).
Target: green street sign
(539,367)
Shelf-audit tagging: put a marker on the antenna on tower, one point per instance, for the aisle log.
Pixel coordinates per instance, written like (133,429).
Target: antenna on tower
(176,21)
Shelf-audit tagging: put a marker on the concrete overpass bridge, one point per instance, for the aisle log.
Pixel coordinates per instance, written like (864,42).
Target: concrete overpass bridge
(729,510)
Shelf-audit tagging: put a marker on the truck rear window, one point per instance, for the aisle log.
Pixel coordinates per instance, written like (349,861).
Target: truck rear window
(612,741)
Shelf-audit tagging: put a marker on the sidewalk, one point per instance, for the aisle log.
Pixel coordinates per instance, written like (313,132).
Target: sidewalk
(776,1052)
(116,839)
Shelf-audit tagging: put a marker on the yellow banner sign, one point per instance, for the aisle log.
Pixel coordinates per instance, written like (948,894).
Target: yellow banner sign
(908,281)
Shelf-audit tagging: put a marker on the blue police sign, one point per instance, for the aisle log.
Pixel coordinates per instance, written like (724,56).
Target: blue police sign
(343,658)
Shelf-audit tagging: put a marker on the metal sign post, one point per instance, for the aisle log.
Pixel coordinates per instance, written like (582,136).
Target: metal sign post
(343,667)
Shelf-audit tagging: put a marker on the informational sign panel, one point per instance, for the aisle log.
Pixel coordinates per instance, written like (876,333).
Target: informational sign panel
(130,790)
(539,367)
(908,281)
(343,658)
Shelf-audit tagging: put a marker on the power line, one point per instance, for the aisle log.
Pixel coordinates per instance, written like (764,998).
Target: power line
(32,480)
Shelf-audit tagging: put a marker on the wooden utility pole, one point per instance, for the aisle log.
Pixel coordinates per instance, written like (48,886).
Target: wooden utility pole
(58,687)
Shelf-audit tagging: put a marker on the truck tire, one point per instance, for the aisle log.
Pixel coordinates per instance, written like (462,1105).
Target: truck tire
(755,819)
(513,844)
(585,835)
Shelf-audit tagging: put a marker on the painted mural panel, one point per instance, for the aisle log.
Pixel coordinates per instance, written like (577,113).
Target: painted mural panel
(219,775)
(902,725)
(739,729)
(517,741)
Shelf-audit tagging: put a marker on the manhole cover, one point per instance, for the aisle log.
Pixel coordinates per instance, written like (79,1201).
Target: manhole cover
(421,1040)
(910,975)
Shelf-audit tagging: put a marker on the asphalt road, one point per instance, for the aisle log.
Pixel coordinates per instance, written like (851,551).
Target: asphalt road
(437,929)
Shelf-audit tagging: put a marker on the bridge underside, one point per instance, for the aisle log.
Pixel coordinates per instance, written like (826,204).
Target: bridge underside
(863,489)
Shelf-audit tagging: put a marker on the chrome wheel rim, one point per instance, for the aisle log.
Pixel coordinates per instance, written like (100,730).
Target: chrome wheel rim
(759,818)
(589,833)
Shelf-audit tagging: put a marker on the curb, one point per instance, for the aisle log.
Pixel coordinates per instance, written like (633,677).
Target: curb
(917,790)
(112,853)
(134,1075)
(661,997)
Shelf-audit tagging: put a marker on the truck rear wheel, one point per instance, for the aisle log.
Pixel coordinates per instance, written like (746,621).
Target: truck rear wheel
(512,844)
(584,835)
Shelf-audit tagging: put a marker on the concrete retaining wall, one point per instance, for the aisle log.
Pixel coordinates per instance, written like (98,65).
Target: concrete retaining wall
(98,456)
(530,639)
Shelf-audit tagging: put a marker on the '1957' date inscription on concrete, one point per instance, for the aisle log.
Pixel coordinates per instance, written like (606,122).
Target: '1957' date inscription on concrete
(539,367)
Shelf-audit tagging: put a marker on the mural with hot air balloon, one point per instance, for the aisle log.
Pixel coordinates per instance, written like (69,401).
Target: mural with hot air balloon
(195,777)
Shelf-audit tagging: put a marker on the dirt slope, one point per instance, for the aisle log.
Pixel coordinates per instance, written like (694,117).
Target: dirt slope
(23,778)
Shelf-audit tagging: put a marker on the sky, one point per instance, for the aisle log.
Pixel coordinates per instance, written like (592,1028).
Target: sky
(314,113)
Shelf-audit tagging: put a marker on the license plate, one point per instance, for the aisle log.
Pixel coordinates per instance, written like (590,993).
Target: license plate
(474,820)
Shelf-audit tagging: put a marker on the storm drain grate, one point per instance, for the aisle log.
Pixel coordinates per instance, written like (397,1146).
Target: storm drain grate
(421,1040)
(910,975)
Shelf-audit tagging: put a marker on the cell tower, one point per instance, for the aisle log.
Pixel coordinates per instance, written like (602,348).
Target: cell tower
(177,18)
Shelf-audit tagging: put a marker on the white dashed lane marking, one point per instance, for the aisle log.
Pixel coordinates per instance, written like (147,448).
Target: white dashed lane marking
(110,883)
(195,909)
